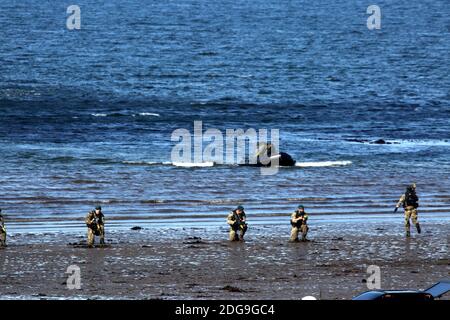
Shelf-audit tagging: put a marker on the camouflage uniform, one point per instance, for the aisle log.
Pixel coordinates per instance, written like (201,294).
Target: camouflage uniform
(96,227)
(299,225)
(237,224)
(410,212)
(2,232)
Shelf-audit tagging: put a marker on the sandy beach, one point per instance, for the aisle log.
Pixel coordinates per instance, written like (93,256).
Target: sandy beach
(158,111)
(194,264)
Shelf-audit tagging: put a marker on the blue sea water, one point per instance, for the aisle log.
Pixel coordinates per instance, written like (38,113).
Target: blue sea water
(87,115)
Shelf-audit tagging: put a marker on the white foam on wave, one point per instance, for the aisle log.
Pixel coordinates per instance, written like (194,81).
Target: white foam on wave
(142,114)
(323,164)
(149,114)
(193,164)
(414,143)
(212,164)
(140,162)
(168,163)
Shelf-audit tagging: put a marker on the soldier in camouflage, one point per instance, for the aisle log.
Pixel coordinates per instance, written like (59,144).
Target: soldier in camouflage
(2,231)
(238,226)
(410,202)
(95,221)
(299,224)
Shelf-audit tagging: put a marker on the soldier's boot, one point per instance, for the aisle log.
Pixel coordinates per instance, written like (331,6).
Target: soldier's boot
(102,241)
(407,227)
(419,230)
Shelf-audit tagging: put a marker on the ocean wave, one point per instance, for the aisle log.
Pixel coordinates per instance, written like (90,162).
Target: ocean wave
(64,201)
(197,201)
(193,164)
(63,159)
(425,142)
(149,114)
(212,164)
(140,163)
(120,114)
(401,142)
(323,164)
(168,163)
(85,181)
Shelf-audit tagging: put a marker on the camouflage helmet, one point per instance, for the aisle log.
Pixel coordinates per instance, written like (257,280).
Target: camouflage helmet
(411,187)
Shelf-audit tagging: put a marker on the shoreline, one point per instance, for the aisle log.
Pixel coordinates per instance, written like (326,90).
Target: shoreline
(257,222)
(197,263)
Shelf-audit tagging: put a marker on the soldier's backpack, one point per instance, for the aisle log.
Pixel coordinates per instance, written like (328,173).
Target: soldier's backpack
(411,199)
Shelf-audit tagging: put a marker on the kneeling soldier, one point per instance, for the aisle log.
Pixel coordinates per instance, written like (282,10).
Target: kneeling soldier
(95,221)
(298,222)
(2,231)
(236,219)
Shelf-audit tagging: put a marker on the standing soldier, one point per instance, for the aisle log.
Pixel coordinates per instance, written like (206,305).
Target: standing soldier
(299,223)
(237,221)
(95,221)
(410,202)
(2,231)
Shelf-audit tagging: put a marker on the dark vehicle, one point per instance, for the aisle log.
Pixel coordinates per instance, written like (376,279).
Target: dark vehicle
(434,292)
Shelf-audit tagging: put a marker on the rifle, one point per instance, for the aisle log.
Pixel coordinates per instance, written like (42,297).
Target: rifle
(300,222)
(238,224)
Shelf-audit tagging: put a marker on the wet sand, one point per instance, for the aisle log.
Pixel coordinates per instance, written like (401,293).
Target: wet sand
(193,264)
